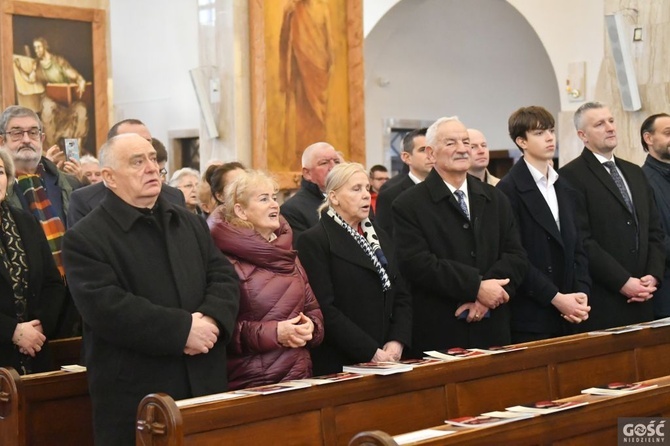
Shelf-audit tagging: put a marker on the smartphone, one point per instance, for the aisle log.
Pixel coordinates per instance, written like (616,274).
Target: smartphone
(72,149)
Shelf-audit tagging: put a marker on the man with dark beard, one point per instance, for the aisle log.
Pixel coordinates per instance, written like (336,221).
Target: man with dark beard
(655,138)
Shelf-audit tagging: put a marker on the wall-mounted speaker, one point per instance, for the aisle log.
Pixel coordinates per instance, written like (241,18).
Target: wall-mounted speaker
(201,82)
(620,39)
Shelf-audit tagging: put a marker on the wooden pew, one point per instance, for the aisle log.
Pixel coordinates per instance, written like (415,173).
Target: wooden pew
(595,423)
(332,414)
(51,408)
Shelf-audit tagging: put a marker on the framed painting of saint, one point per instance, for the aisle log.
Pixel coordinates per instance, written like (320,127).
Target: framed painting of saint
(54,62)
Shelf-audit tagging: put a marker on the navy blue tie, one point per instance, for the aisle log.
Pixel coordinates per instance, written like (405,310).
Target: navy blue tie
(460,197)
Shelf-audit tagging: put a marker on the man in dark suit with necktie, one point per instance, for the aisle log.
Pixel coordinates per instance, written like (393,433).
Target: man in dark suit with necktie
(458,248)
(554,295)
(616,210)
(415,157)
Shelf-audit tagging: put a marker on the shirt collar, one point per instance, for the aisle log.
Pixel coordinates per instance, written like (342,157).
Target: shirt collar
(414,178)
(539,177)
(601,159)
(463,188)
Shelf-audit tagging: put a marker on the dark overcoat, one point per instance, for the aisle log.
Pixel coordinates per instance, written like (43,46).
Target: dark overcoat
(44,296)
(300,211)
(444,257)
(136,290)
(359,317)
(658,174)
(85,199)
(556,257)
(619,244)
(386,197)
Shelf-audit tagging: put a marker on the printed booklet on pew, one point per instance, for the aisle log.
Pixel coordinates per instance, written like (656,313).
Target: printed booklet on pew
(545,407)
(378,368)
(619,388)
(274,388)
(420,362)
(617,330)
(424,434)
(455,353)
(332,378)
(656,323)
(489,419)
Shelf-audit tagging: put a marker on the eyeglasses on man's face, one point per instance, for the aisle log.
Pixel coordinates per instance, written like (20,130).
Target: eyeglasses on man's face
(17,134)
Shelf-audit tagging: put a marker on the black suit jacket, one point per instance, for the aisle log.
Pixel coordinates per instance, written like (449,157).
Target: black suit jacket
(393,181)
(557,260)
(386,197)
(85,199)
(300,211)
(44,296)
(358,316)
(444,257)
(619,244)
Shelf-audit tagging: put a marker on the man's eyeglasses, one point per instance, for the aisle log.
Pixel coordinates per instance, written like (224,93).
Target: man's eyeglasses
(17,134)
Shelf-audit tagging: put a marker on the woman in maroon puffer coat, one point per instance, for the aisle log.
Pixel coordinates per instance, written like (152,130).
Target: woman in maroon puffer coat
(279,317)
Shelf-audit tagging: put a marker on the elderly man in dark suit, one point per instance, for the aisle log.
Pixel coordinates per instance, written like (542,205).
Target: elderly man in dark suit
(157,299)
(459,248)
(616,210)
(85,199)
(554,295)
(300,211)
(415,157)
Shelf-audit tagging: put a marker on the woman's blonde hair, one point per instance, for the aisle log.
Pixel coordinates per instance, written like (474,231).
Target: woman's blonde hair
(9,168)
(239,192)
(338,177)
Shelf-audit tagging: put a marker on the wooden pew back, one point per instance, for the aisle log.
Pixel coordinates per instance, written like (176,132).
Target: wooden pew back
(595,423)
(51,408)
(332,414)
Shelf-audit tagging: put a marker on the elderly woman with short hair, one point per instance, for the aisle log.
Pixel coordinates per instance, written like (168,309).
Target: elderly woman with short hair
(279,317)
(351,266)
(31,288)
(187,181)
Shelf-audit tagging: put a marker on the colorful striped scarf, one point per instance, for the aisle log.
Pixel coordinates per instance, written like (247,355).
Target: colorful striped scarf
(35,194)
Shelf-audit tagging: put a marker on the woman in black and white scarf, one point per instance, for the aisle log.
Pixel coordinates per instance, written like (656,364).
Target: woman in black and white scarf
(350,263)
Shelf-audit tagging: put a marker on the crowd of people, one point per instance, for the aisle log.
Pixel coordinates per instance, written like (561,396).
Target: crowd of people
(205,283)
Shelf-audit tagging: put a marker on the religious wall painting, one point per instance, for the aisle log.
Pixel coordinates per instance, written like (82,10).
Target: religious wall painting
(307,80)
(52,70)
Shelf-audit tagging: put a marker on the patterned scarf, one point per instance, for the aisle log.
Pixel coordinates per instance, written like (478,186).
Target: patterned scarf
(35,194)
(15,262)
(369,244)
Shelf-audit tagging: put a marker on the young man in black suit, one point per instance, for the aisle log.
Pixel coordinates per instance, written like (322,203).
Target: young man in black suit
(616,210)
(459,249)
(415,157)
(554,294)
